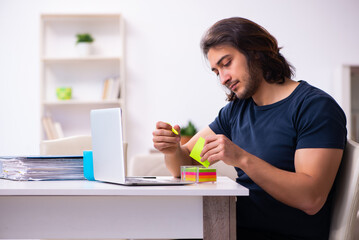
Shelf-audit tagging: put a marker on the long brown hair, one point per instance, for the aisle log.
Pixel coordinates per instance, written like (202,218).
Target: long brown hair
(256,43)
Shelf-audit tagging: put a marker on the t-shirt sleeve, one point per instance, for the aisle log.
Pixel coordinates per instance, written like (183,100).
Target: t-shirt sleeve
(321,124)
(221,124)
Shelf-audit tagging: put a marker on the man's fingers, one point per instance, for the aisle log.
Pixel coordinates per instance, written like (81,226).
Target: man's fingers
(215,158)
(163,132)
(208,146)
(162,145)
(164,139)
(210,153)
(163,125)
(210,139)
(177,128)
(212,150)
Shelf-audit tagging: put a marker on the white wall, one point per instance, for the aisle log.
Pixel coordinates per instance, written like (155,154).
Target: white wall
(167,76)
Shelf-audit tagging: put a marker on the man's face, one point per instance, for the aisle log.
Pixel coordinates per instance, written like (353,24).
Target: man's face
(231,67)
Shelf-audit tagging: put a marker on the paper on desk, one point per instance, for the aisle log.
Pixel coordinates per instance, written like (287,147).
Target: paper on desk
(42,168)
(196,152)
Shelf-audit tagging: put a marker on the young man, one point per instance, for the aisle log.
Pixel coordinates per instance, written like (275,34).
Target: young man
(284,138)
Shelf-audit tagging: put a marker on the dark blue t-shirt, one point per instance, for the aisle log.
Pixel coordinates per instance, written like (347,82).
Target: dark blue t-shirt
(308,118)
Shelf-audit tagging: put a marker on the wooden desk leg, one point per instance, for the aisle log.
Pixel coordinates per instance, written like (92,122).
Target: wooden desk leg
(219,218)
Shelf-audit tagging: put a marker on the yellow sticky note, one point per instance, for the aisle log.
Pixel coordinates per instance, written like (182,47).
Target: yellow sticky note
(196,152)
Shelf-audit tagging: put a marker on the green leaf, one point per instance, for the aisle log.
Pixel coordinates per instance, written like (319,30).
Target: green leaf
(188,130)
(84,37)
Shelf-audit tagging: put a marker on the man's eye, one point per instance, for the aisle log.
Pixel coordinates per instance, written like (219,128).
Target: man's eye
(227,63)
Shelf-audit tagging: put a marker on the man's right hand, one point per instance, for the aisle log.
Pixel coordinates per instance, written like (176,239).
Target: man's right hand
(164,139)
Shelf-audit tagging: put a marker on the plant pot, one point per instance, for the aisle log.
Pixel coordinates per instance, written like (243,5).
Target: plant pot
(84,49)
(185,139)
(63,93)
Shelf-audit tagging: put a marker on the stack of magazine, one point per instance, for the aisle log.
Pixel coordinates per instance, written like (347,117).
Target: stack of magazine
(39,168)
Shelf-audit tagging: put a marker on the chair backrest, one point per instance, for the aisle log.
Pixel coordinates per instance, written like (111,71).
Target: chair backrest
(74,145)
(345,212)
(152,164)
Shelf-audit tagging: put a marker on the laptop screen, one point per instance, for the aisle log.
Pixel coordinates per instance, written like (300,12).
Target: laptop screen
(107,145)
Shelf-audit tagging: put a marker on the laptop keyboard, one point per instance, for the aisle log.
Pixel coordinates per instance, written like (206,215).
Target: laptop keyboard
(142,180)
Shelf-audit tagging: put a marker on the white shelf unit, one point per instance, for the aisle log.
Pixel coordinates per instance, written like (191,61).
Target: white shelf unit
(62,66)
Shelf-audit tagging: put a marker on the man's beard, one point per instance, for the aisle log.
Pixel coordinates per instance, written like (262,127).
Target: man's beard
(251,83)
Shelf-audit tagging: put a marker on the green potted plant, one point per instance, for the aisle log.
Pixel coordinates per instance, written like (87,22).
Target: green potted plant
(83,43)
(187,132)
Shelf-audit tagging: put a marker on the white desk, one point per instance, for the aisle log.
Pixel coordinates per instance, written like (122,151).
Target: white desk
(88,210)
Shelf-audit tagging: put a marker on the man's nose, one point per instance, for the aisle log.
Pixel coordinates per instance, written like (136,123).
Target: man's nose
(224,77)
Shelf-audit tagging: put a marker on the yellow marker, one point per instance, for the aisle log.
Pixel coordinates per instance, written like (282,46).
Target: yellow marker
(173,130)
(196,152)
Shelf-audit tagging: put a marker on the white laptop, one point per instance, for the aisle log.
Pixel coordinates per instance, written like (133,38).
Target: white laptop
(108,154)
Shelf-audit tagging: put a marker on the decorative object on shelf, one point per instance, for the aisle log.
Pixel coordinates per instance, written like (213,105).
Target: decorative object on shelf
(83,44)
(187,132)
(63,93)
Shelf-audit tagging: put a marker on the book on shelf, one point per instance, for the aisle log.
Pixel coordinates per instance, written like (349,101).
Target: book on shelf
(58,130)
(111,88)
(106,87)
(40,168)
(53,130)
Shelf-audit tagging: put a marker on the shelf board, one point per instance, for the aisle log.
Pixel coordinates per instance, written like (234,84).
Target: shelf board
(89,58)
(62,16)
(82,102)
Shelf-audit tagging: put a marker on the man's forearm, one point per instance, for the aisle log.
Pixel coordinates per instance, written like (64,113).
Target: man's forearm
(175,161)
(308,187)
